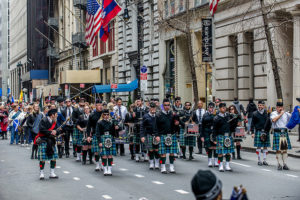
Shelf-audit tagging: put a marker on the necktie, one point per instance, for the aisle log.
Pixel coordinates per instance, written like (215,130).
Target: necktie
(120,113)
(200,117)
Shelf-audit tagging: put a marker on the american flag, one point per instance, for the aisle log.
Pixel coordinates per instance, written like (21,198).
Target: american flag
(213,6)
(93,21)
(193,128)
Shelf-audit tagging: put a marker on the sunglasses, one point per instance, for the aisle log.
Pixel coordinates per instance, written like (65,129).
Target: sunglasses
(166,104)
(105,114)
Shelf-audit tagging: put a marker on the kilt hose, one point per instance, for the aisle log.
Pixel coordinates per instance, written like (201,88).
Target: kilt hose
(95,145)
(276,140)
(259,143)
(163,149)
(42,155)
(149,143)
(108,151)
(77,137)
(186,141)
(221,149)
(207,143)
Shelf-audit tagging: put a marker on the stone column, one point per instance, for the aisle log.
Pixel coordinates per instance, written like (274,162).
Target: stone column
(296,56)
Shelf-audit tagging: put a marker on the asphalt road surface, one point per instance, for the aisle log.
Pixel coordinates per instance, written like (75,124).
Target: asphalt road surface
(19,179)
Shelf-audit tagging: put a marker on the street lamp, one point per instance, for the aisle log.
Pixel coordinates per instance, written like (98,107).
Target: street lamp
(126,16)
(19,66)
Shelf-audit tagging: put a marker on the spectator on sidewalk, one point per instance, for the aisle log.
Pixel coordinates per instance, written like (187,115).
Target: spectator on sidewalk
(251,108)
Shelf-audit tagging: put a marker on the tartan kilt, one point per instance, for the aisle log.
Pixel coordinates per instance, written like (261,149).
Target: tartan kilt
(77,136)
(163,149)
(221,149)
(276,140)
(108,151)
(207,143)
(95,145)
(186,141)
(136,138)
(149,143)
(42,155)
(258,142)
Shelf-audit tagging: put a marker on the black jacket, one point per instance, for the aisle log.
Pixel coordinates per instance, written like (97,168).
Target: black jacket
(92,122)
(251,108)
(259,120)
(165,123)
(76,113)
(44,127)
(31,118)
(221,124)
(207,123)
(234,120)
(82,121)
(148,126)
(105,126)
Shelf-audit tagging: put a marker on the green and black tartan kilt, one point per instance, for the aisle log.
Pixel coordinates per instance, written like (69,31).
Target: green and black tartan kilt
(207,143)
(77,136)
(221,149)
(108,151)
(42,155)
(186,141)
(163,149)
(136,138)
(149,143)
(95,145)
(258,142)
(276,140)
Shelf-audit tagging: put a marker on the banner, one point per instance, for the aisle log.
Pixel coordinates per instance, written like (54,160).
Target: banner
(207,40)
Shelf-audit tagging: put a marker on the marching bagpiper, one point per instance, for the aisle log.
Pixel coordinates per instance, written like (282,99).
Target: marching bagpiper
(281,140)
(81,125)
(261,137)
(207,135)
(129,123)
(106,133)
(91,133)
(168,141)
(186,141)
(224,140)
(46,143)
(150,137)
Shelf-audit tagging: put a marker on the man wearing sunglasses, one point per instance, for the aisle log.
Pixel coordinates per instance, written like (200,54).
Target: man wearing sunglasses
(67,113)
(168,141)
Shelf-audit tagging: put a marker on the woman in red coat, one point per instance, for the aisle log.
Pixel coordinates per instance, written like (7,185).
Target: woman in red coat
(3,121)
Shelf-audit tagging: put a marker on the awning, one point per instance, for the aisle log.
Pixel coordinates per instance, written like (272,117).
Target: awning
(121,88)
(35,75)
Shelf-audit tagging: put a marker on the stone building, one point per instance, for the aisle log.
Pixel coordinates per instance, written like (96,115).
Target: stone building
(242,65)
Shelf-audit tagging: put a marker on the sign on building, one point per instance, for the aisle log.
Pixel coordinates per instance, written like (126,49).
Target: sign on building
(143,79)
(207,40)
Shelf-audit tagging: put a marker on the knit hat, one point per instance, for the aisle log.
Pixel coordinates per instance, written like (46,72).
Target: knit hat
(205,185)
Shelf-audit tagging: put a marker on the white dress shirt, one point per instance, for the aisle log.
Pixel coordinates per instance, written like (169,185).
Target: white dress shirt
(282,121)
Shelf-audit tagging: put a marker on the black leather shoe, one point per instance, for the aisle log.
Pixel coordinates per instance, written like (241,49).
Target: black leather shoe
(285,167)
(279,167)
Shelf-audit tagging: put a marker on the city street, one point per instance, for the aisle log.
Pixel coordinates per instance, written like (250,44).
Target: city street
(19,179)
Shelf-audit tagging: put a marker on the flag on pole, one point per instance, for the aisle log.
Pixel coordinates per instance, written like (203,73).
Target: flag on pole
(12,99)
(93,22)
(104,33)
(213,6)
(21,96)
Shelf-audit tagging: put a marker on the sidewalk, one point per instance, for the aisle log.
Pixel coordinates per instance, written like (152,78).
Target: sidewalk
(248,145)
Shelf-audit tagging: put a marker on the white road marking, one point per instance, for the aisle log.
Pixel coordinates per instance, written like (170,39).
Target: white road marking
(28,148)
(267,170)
(106,196)
(66,172)
(158,182)
(113,164)
(76,178)
(181,191)
(139,176)
(143,198)
(240,164)
(123,169)
(290,175)
(89,186)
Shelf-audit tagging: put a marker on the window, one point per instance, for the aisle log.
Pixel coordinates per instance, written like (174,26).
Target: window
(172,4)
(111,38)
(95,50)
(200,2)
(181,5)
(166,8)
(102,47)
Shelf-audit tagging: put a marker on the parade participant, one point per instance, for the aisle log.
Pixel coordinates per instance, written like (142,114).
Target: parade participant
(168,140)
(68,129)
(261,137)
(33,123)
(60,106)
(46,142)
(158,108)
(217,102)
(150,137)
(59,140)
(3,121)
(77,136)
(120,113)
(26,129)
(82,140)
(197,118)
(177,107)
(224,139)
(235,121)
(138,112)
(207,135)
(251,108)
(281,140)
(13,119)
(129,121)
(106,133)
(206,186)
(186,141)
(91,133)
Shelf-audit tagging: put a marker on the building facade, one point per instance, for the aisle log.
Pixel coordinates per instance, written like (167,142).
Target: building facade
(243,66)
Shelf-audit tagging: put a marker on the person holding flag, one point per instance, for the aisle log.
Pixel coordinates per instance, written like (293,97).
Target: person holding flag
(13,121)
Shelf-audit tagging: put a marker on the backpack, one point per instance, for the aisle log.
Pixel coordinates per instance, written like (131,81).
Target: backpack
(36,123)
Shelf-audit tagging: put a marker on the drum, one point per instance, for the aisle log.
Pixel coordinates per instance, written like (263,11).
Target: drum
(122,138)
(191,130)
(239,133)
